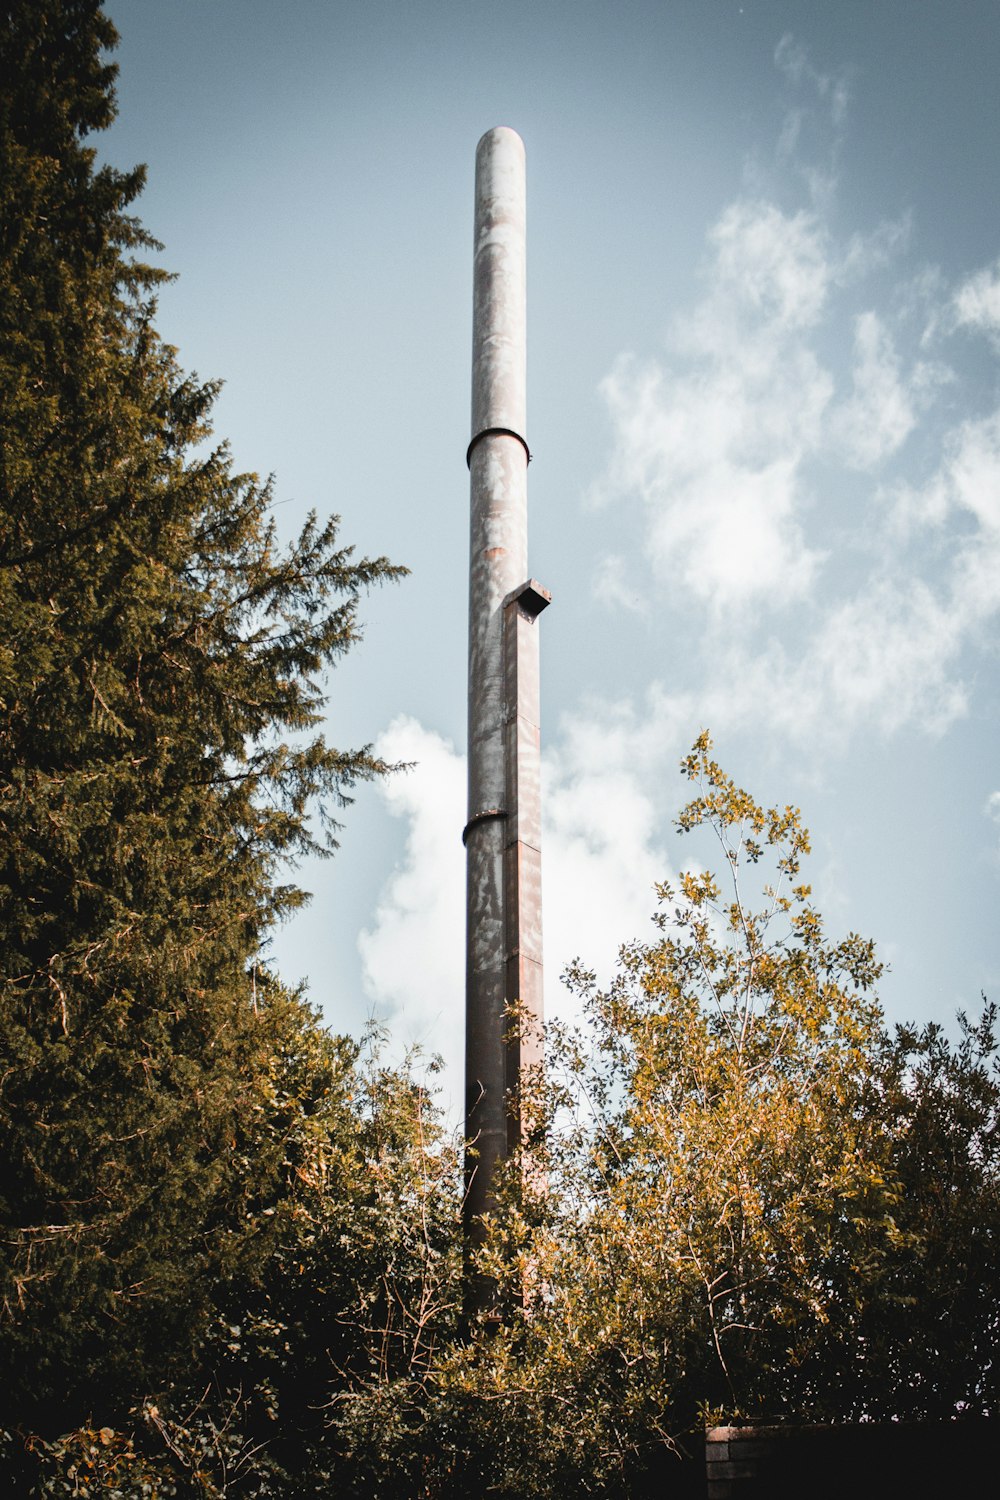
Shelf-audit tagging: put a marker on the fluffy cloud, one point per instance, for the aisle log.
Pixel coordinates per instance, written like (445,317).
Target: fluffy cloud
(881,658)
(970,476)
(411,955)
(977,301)
(960,504)
(713,443)
(820,603)
(601,861)
(879,415)
(718,439)
(721,518)
(891,654)
(603,852)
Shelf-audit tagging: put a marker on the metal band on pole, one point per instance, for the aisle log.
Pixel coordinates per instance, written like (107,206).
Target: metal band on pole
(481,817)
(495,432)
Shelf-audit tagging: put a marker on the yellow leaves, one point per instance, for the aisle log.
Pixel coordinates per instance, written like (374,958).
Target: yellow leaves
(699,889)
(720,1191)
(807,925)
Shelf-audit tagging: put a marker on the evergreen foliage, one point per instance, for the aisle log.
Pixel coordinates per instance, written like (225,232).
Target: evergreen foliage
(160,683)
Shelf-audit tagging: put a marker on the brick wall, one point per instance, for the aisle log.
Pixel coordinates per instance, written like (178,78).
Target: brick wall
(863,1461)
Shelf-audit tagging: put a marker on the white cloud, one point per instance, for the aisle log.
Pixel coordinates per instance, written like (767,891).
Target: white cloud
(603,852)
(769,275)
(713,443)
(977,301)
(878,661)
(889,654)
(810,603)
(972,471)
(792,59)
(873,250)
(883,657)
(878,416)
(601,859)
(412,963)
(963,493)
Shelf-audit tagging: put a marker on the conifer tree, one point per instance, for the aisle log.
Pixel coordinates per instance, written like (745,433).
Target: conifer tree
(161,662)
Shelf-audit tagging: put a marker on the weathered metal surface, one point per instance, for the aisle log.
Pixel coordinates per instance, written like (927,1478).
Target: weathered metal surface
(523,850)
(503,889)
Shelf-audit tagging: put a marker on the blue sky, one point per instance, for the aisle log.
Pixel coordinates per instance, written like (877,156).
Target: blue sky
(764,327)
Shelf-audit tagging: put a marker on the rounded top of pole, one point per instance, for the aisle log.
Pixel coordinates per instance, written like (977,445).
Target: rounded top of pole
(500,167)
(498,313)
(500,135)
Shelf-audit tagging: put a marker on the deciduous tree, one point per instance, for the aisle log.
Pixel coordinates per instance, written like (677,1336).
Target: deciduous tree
(762,1204)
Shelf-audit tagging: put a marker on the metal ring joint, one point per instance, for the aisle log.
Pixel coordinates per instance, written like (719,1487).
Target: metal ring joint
(485,816)
(495,432)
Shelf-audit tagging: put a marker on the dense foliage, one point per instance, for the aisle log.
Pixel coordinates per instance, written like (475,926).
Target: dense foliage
(761,1204)
(230,1241)
(165,1107)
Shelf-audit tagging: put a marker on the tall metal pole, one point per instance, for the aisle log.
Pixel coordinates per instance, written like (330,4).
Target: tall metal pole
(502,835)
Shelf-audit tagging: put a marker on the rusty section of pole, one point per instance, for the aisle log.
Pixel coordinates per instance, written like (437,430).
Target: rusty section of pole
(503,891)
(523,845)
